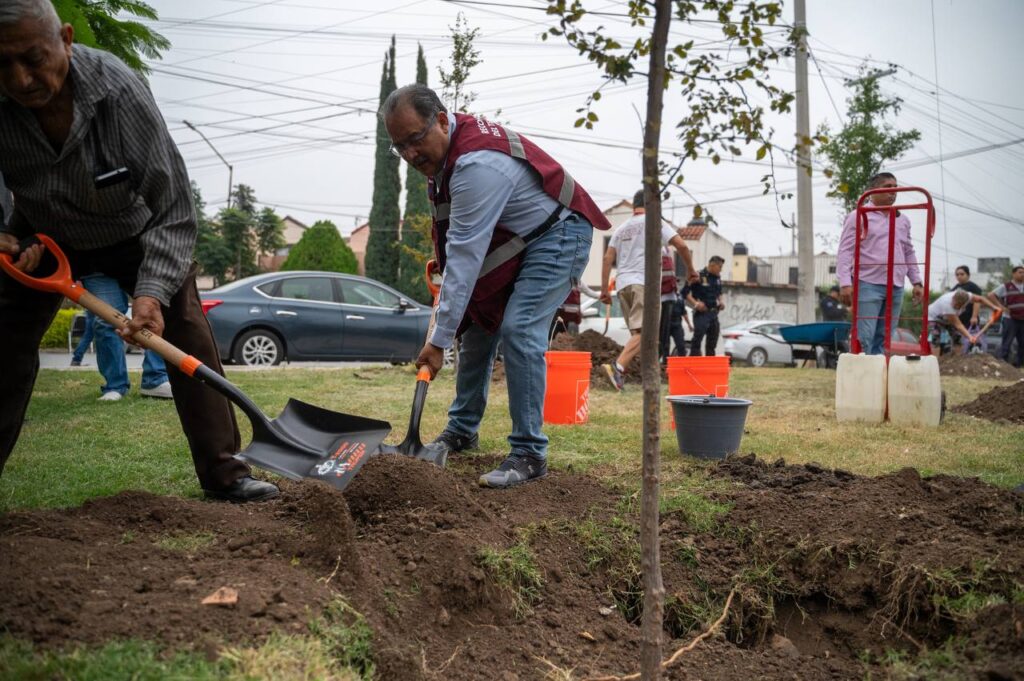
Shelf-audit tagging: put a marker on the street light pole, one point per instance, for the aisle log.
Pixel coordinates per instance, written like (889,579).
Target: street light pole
(231,170)
(805,221)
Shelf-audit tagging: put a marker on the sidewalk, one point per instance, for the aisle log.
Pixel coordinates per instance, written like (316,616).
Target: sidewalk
(59,359)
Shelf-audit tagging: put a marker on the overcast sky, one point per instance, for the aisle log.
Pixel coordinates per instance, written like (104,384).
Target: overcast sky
(286,90)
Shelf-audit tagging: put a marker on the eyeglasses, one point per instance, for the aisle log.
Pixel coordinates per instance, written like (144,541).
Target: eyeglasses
(399,148)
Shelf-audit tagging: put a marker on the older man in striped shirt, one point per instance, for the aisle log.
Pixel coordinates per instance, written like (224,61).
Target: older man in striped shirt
(90,162)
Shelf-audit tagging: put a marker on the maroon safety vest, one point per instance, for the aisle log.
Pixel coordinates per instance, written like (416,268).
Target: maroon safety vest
(1015,300)
(668,274)
(504,254)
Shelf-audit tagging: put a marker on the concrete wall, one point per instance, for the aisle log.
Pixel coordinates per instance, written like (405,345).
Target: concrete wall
(712,243)
(747,302)
(824,268)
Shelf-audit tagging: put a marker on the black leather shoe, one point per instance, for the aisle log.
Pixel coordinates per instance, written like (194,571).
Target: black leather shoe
(449,442)
(244,490)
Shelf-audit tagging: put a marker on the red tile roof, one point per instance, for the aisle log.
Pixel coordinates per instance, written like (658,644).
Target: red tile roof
(692,232)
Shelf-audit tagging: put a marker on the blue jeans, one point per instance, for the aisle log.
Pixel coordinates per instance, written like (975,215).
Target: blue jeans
(86,340)
(551,265)
(871,315)
(109,346)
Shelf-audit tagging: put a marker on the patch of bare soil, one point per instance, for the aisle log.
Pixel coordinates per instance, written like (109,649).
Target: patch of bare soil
(978,365)
(998,404)
(824,566)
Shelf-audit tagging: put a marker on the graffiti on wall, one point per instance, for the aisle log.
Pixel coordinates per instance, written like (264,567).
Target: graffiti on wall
(745,307)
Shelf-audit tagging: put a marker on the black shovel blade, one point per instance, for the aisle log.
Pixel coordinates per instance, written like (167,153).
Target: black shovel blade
(412,445)
(306,441)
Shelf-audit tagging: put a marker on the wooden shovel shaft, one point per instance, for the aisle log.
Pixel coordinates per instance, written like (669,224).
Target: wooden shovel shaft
(145,338)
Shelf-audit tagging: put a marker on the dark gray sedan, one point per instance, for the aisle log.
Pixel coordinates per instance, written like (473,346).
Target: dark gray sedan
(314,316)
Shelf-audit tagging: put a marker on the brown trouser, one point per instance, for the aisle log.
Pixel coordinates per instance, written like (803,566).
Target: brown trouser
(206,417)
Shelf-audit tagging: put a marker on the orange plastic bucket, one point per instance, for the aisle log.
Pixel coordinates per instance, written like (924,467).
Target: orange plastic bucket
(698,376)
(567,396)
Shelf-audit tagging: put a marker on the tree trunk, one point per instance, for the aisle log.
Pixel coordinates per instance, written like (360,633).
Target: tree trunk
(654,590)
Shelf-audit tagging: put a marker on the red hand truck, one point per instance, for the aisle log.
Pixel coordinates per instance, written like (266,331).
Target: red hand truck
(861,227)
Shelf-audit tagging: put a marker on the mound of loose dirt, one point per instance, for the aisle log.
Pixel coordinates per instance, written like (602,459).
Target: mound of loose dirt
(998,404)
(825,565)
(603,350)
(981,365)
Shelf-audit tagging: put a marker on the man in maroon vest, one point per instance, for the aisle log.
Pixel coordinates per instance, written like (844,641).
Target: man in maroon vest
(1011,296)
(512,233)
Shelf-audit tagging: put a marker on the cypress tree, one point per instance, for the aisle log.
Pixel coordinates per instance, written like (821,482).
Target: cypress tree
(382,246)
(416,246)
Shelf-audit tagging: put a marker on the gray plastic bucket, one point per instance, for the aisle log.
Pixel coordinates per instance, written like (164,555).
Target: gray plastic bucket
(709,427)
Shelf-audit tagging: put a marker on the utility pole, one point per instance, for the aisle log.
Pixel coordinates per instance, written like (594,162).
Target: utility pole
(805,217)
(231,170)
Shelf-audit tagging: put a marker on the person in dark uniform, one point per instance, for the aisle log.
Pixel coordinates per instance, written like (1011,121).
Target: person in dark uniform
(705,295)
(832,308)
(679,315)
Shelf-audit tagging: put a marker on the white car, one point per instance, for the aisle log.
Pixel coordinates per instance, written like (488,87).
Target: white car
(758,343)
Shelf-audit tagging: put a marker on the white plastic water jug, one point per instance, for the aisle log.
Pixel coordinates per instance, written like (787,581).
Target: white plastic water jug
(860,388)
(915,391)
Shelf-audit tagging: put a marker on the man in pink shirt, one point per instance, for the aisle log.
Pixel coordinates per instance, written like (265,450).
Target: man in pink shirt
(874,254)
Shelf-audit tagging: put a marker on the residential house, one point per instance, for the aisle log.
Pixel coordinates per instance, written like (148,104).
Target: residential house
(702,240)
(357,242)
(293,231)
(784,269)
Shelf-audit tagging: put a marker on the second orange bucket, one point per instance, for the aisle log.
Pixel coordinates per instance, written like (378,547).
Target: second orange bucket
(698,376)
(567,396)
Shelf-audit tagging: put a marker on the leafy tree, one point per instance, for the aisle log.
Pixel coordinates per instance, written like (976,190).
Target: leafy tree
(866,142)
(236,229)
(96,25)
(416,247)
(321,248)
(212,254)
(464,58)
(269,231)
(722,115)
(243,198)
(381,246)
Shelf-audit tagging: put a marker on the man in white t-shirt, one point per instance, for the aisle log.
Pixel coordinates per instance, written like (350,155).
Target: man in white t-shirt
(944,314)
(626,254)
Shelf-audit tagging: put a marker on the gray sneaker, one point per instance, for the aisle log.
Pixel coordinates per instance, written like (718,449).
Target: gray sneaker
(615,376)
(515,470)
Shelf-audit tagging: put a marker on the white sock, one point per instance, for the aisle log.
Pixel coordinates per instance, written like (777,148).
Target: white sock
(618,367)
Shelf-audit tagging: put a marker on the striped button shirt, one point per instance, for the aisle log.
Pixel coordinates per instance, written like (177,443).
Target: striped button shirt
(116,125)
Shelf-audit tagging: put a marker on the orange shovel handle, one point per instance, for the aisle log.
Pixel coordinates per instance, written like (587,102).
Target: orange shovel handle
(60,282)
(433,286)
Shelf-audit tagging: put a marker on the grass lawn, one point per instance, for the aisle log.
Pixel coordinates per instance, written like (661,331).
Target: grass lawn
(73,447)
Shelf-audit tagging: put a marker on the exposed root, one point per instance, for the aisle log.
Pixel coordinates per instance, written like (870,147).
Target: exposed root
(665,664)
(444,665)
(337,564)
(555,673)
